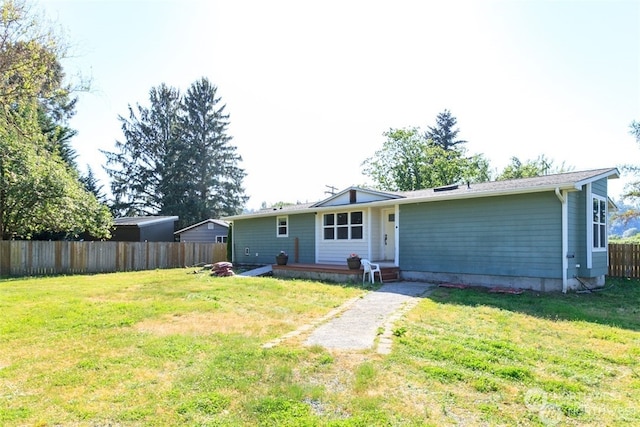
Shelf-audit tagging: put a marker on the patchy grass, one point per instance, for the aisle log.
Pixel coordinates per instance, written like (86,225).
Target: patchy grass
(474,357)
(171,348)
(164,347)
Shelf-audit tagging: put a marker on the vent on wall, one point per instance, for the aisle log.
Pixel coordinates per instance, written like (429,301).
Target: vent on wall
(352,196)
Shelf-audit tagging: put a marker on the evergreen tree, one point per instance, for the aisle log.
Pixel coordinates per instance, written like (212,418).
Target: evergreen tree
(632,189)
(176,158)
(443,133)
(92,185)
(140,176)
(208,163)
(634,129)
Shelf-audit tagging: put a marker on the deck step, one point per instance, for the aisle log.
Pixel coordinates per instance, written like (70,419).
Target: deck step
(390,274)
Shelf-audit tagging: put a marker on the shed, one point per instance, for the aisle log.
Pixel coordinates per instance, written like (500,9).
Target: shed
(207,231)
(144,229)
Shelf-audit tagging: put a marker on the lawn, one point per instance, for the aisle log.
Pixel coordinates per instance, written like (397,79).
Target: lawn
(171,347)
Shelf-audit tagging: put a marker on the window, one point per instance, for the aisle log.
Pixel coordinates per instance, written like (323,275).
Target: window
(221,239)
(282,226)
(343,226)
(599,223)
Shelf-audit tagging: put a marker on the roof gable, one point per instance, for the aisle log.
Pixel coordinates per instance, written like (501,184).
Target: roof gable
(219,222)
(355,195)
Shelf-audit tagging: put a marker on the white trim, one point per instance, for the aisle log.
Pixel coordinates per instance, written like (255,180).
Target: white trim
(369,231)
(349,225)
(210,220)
(600,200)
(589,225)
(278,217)
(565,237)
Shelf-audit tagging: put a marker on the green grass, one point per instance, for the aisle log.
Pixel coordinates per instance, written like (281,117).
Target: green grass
(174,348)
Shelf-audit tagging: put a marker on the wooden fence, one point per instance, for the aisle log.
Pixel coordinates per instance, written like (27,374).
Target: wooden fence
(624,260)
(37,258)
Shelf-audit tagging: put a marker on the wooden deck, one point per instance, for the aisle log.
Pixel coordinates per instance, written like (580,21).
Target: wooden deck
(334,272)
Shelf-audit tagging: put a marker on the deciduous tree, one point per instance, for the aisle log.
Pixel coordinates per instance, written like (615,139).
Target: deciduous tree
(530,168)
(39,191)
(398,166)
(408,161)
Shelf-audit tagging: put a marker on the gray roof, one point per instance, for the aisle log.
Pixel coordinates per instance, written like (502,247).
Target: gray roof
(143,221)
(563,181)
(211,220)
(568,180)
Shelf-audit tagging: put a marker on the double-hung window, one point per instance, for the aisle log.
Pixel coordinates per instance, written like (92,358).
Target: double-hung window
(282,226)
(599,222)
(343,226)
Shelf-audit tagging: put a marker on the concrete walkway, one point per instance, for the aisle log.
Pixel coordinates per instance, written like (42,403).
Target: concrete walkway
(357,323)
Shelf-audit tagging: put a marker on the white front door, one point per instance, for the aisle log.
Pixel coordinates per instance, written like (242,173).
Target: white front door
(389,234)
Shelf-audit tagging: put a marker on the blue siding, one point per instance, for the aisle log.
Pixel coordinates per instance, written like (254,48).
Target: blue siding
(259,235)
(600,187)
(517,235)
(580,217)
(203,234)
(600,259)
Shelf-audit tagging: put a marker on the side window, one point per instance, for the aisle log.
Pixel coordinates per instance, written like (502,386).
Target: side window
(599,222)
(282,226)
(328,225)
(221,239)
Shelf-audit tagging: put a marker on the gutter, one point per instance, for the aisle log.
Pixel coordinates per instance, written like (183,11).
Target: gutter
(565,236)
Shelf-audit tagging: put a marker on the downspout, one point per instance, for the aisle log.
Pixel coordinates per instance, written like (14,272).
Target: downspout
(396,236)
(565,237)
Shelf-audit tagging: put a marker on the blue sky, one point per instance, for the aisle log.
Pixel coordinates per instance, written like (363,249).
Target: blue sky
(311,86)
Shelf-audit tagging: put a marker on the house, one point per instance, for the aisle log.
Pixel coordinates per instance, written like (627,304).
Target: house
(144,229)
(208,231)
(546,233)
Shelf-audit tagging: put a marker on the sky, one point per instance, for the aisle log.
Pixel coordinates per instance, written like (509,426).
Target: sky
(311,86)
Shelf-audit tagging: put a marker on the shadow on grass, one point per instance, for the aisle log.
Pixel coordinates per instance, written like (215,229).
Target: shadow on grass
(617,304)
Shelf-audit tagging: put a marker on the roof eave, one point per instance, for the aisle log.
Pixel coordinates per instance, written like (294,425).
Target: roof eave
(200,223)
(610,174)
(146,223)
(569,185)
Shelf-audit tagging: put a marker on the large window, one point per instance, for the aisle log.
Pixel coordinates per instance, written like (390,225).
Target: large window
(599,222)
(343,226)
(282,226)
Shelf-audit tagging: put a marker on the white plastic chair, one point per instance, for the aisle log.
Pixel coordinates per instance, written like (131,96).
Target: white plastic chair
(370,269)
